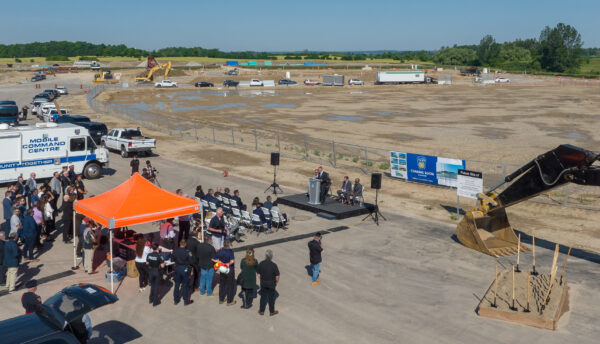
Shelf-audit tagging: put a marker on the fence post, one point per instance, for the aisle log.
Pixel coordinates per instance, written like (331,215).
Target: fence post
(333,152)
(214,137)
(566,195)
(196,130)
(367,160)
(255,141)
(278,145)
(232,137)
(305,149)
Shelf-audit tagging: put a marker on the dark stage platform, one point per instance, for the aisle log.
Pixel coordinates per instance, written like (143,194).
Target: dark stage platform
(330,207)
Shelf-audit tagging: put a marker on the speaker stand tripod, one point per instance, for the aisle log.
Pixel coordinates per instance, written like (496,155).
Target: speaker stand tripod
(375,214)
(274,186)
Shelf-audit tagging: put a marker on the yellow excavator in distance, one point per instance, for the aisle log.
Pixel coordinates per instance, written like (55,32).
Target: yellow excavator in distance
(150,76)
(486,227)
(104,77)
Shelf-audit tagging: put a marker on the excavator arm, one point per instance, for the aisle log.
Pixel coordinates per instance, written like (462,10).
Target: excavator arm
(486,227)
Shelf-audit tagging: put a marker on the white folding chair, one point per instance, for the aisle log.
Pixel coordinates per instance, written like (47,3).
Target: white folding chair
(247,219)
(257,223)
(225,200)
(266,212)
(233,203)
(236,213)
(212,206)
(276,219)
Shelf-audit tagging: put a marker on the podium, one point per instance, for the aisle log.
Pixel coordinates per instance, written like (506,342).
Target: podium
(314,191)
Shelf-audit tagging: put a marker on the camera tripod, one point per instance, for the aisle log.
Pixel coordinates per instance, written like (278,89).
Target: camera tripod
(274,186)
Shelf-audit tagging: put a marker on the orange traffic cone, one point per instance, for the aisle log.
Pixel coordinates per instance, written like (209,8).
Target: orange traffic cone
(225,174)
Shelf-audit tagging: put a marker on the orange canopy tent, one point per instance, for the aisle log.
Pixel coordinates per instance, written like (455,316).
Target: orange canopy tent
(134,202)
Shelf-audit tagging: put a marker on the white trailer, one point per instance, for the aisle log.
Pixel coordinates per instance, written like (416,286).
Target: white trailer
(45,148)
(333,80)
(403,77)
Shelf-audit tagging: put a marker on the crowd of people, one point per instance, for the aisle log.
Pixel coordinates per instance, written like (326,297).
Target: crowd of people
(199,259)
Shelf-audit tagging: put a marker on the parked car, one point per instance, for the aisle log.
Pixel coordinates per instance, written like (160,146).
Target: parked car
(232,72)
(127,140)
(230,83)
(52,321)
(311,82)
(501,79)
(53,114)
(96,129)
(62,90)
(53,91)
(165,83)
(49,95)
(204,84)
(38,77)
(256,82)
(354,81)
(286,82)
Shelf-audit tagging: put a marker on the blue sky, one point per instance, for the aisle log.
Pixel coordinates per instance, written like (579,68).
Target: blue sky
(268,25)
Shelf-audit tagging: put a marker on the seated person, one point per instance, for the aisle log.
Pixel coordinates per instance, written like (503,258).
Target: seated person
(255,203)
(263,219)
(268,203)
(238,200)
(210,197)
(345,191)
(356,191)
(226,193)
(167,234)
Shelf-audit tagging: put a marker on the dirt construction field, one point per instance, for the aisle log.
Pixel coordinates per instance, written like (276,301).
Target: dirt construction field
(507,124)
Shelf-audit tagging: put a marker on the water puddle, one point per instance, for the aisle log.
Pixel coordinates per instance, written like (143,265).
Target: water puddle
(273,105)
(345,118)
(571,135)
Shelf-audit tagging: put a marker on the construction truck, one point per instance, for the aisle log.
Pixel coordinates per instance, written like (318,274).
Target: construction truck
(486,227)
(149,77)
(104,77)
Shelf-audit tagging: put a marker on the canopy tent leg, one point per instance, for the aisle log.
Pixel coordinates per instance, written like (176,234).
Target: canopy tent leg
(112,283)
(75,267)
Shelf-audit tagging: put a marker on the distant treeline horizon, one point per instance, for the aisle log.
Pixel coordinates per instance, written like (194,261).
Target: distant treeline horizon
(558,49)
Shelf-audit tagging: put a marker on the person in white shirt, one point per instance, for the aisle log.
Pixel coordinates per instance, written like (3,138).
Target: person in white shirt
(141,252)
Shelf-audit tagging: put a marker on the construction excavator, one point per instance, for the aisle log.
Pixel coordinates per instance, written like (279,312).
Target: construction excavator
(486,227)
(154,67)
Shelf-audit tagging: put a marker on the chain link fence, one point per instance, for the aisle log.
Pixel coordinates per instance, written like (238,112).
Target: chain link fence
(363,159)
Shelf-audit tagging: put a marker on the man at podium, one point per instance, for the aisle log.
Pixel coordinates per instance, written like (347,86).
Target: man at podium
(325,183)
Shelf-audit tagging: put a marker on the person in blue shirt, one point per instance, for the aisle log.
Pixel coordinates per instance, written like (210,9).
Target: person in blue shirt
(34,197)
(29,234)
(12,256)
(210,197)
(263,219)
(268,203)
(226,281)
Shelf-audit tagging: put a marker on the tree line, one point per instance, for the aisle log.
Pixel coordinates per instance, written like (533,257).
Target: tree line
(558,49)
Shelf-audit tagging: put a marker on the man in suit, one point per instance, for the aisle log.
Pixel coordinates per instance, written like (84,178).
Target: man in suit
(7,205)
(325,183)
(210,197)
(30,185)
(238,200)
(356,191)
(345,190)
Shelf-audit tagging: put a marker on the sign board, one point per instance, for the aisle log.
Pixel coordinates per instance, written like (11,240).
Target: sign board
(425,168)
(470,183)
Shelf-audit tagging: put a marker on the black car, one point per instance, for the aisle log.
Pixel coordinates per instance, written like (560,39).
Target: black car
(96,129)
(230,83)
(38,77)
(53,91)
(48,95)
(58,318)
(204,84)
(286,82)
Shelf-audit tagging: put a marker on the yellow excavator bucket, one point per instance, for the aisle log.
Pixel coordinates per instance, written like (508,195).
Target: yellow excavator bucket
(490,233)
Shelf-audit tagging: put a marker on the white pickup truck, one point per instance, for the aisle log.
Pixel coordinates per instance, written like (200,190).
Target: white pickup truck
(127,140)
(165,83)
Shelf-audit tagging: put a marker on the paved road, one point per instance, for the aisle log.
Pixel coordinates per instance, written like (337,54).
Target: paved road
(404,281)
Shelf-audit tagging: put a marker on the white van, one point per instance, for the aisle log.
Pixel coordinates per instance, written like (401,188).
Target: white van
(45,148)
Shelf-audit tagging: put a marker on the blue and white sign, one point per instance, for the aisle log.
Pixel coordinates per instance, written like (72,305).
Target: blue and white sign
(428,169)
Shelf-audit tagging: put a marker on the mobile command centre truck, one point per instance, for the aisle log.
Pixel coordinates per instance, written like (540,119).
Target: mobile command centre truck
(404,77)
(45,148)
